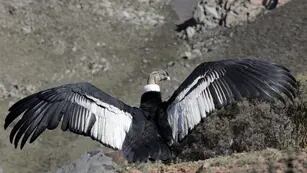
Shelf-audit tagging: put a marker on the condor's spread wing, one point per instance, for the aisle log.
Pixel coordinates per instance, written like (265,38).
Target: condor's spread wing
(213,85)
(83,109)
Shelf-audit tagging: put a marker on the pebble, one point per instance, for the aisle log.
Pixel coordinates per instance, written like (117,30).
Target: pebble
(212,10)
(190,32)
(196,53)
(187,55)
(171,64)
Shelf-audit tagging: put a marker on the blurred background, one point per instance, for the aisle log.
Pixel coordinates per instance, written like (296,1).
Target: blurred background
(115,44)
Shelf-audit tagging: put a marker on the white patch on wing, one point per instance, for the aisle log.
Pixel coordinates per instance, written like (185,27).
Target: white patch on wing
(181,95)
(112,123)
(186,111)
(217,91)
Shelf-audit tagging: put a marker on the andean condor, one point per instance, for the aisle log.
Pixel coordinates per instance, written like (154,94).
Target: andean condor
(149,132)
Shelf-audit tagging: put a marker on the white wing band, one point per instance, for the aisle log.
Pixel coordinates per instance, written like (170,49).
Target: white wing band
(151,87)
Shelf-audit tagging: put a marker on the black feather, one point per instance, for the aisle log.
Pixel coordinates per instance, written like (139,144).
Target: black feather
(66,117)
(242,82)
(91,124)
(215,96)
(29,118)
(19,108)
(15,129)
(36,122)
(227,92)
(263,83)
(25,101)
(56,117)
(233,88)
(24,119)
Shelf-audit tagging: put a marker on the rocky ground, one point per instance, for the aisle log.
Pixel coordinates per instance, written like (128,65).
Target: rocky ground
(265,161)
(114,45)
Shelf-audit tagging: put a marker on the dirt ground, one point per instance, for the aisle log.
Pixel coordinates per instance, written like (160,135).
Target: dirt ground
(114,45)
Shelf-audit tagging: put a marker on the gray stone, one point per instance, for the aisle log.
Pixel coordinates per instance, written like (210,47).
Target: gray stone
(199,13)
(92,162)
(187,55)
(196,53)
(210,14)
(190,32)
(184,9)
(171,64)
(212,10)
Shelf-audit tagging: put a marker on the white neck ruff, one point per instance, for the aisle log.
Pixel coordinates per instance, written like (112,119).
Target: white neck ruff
(151,87)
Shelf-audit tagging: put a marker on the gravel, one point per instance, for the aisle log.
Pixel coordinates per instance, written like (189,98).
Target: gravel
(15,90)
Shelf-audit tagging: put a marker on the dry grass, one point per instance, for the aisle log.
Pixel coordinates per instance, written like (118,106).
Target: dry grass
(267,161)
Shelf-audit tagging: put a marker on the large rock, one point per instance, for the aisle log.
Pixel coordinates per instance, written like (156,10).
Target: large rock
(211,13)
(91,162)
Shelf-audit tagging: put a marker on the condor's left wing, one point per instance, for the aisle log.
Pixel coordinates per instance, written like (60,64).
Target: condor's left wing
(213,85)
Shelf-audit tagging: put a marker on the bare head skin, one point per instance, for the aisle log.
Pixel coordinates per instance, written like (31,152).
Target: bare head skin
(157,76)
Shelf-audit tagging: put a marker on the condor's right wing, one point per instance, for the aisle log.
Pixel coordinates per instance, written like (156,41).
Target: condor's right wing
(83,109)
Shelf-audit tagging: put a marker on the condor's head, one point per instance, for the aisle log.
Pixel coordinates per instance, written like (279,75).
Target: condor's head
(156,77)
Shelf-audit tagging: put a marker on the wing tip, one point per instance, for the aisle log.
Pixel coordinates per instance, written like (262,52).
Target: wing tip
(6,125)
